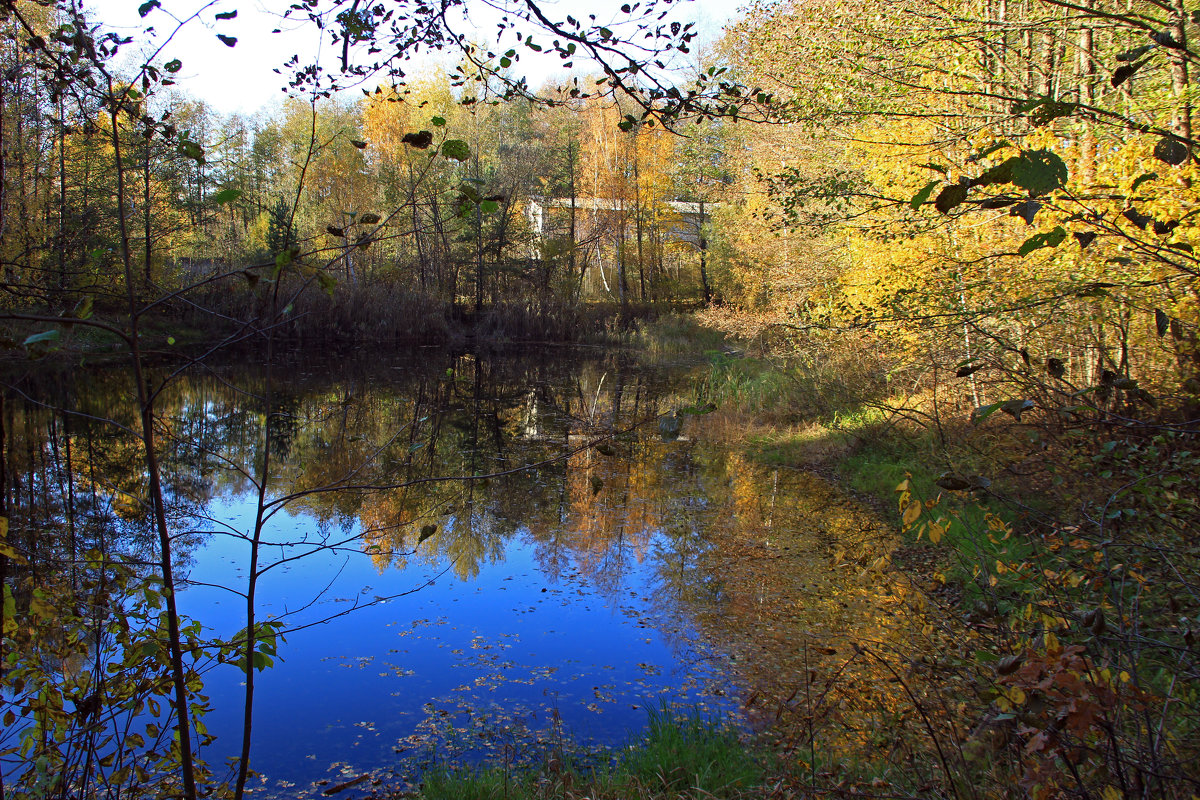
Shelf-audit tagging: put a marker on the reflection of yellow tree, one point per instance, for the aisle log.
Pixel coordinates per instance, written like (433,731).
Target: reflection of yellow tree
(817,626)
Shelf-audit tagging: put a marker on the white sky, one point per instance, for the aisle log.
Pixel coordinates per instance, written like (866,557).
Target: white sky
(240,79)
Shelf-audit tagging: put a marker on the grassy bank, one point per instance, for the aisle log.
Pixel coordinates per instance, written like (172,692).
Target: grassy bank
(1048,540)
(681,755)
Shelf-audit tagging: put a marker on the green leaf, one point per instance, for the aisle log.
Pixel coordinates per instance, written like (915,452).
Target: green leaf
(1171,151)
(950,197)
(174,65)
(226,196)
(489,206)
(227,14)
(456,150)
(1039,240)
(438,122)
(228,41)
(1146,176)
(170,340)
(327,282)
(983,412)
(83,309)
(505,63)
(192,150)
(148,6)
(41,338)
(1039,172)
(920,197)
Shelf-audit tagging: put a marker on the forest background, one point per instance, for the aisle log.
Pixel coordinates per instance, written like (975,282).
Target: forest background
(962,238)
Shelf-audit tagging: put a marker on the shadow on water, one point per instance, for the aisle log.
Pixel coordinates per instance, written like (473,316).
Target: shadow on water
(462,557)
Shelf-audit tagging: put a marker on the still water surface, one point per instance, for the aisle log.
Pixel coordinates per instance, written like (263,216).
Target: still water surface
(429,616)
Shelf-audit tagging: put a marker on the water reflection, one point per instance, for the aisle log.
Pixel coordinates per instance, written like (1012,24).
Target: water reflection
(466,553)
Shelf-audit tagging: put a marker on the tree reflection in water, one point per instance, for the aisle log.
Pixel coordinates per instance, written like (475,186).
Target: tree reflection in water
(618,571)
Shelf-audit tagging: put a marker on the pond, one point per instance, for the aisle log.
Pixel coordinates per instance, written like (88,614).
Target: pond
(466,556)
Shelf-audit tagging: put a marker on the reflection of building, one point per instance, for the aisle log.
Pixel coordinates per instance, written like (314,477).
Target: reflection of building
(651,238)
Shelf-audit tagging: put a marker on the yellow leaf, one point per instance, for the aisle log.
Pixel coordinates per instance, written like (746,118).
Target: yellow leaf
(1052,645)
(935,532)
(911,513)
(1111,793)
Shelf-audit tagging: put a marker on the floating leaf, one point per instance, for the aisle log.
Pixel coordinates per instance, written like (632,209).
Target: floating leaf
(228,41)
(1056,367)
(1161,322)
(173,66)
(426,532)
(369,219)
(597,484)
(148,6)
(333,230)
(227,14)
(361,145)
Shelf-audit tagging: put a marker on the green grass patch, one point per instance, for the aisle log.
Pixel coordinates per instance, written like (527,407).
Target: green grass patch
(971,520)
(681,755)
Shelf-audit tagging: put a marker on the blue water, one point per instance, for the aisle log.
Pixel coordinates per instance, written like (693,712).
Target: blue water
(387,668)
